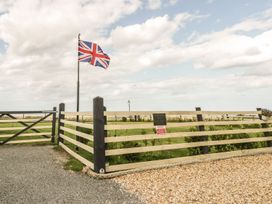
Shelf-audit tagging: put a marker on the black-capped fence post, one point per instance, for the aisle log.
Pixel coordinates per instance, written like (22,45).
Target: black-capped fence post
(264,125)
(60,124)
(53,125)
(99,135)
(78,129)
(199,116)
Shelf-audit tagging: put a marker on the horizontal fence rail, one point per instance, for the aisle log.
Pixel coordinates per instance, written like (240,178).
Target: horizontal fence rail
(27,112)
(27,134)
(78,133)
(28,141)
(184,134)
(78,124)
(183,145)
(131,113)
(79,144)
(123,140)
(21,120)
(186,160)
(77,156)
(184,124)
(77,113)
(21,128)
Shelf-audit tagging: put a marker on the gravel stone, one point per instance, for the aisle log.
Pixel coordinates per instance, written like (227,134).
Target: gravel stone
(235,180)
(35,174)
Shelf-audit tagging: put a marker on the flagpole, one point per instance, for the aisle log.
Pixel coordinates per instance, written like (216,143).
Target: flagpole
(78,84)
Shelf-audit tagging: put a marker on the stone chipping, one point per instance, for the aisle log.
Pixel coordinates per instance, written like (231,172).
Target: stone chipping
(236,180)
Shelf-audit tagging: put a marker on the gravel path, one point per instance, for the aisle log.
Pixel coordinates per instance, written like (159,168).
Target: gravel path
(34,174)
(236,180)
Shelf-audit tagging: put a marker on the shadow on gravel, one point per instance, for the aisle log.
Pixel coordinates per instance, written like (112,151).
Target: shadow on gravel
(35,174)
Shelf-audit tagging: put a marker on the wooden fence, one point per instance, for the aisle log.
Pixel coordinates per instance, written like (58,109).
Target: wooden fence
(17,127)
(201,137)
(70,136)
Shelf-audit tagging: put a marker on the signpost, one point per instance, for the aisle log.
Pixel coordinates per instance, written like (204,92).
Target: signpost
(160,123)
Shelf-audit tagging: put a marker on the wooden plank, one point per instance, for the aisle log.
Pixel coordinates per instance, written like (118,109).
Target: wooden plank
(141,113)
(235,122)
(188,159)
(77,113)
(185,124)
(21,128)
(77,156)
(77,124)
(22,120)
(129,126)
(79,144)
(27,134)
(80,134)
(28,141)
(184,134)
(231,112)
(183,145)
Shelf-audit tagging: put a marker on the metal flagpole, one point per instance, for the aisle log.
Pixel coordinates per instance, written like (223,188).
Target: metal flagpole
(78,84)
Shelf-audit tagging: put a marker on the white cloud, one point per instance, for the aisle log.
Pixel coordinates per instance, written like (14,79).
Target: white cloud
(153,39)
(210,1)
(235,46)
(157,4)
(5,5)
(42,41)
(50,24)
(154,4)
(173,2)
(155,32)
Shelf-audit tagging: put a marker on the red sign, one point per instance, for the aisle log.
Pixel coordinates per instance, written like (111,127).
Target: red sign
(160,130)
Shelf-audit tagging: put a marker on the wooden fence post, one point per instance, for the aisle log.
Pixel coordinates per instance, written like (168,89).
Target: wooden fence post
(61,116)
(264,125)
(53,125)
(99,135)
(205,149)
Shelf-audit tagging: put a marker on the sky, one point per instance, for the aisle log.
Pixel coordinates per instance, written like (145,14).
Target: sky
(165,54)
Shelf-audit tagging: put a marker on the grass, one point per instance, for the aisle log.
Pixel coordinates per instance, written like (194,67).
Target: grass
(72,163)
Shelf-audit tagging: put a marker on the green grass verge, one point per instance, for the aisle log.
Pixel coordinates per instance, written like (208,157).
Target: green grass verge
(71,163)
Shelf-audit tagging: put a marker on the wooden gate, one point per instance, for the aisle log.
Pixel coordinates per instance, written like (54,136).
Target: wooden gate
(27,126)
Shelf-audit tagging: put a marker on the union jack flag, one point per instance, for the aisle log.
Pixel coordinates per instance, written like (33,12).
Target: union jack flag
(92,53)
